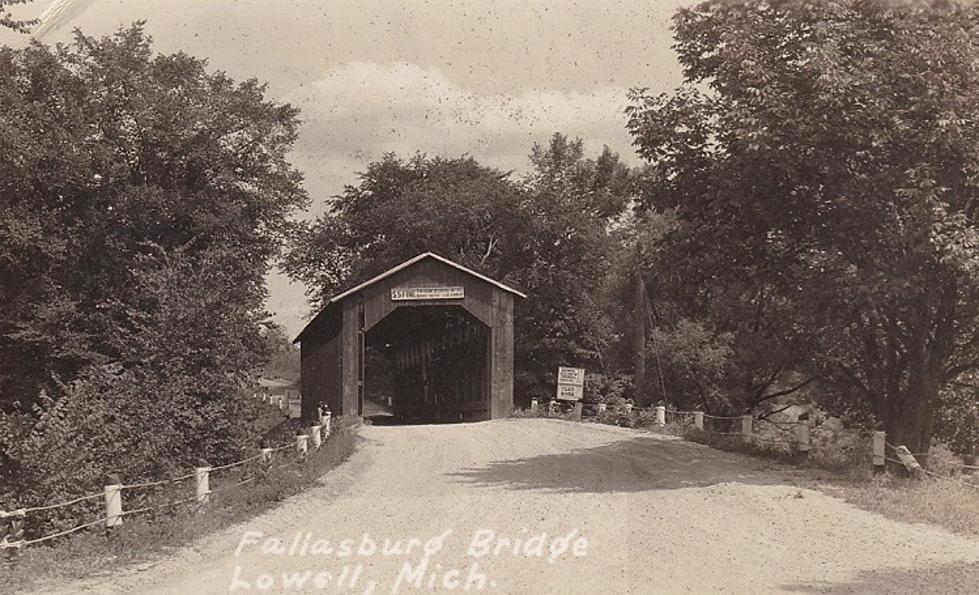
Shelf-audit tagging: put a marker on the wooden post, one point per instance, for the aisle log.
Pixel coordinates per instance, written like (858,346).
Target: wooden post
(17,530)
(660,415)
(315,436)
(533,404)
(601,407)
(910,463)
(746,426)
(880,461)
(698,420)
(326,423)
(319,414)
(202,483)
(113,501)
(577,410)
(13,533)
(802,444)
(265,458)
(301,447)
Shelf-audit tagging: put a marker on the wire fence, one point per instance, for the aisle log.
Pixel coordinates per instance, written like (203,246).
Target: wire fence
(257,467)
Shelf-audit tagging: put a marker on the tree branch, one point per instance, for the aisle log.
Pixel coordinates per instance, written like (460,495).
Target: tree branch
(782,393)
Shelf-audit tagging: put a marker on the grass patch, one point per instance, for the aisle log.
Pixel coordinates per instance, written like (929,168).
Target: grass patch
(146,536)
(946,502)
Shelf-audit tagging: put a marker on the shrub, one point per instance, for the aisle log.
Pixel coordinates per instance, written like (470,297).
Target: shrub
(114,421)
(612,389)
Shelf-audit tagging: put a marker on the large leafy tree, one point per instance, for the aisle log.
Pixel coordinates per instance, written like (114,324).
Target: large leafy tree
(544,235)
(823,156)
(141,199)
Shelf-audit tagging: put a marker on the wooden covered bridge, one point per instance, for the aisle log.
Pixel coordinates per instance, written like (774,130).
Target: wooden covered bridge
(442,332)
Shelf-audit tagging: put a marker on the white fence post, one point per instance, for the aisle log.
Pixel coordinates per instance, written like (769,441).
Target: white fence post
(601,407)
(660,415)
(113,501)
(265,458)
(880,440)
(202,483)
(698,420)
(534,404)
(802,443)
(301,446)
(746,425)
(628,408)
(315,435)
(326,423)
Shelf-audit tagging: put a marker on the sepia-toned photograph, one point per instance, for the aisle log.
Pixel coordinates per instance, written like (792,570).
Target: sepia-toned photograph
(490,296)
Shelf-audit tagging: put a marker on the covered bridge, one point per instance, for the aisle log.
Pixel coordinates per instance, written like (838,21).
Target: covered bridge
(436,335)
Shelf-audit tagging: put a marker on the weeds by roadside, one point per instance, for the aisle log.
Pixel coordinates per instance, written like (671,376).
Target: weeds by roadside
(143,537)
(945,502)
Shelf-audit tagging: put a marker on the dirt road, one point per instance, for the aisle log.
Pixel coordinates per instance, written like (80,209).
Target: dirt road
(586,508)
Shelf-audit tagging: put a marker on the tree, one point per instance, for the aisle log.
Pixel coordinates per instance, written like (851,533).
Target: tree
(282,354)
(822,158)
(8,21)
(112,155)
(141,199)
(536,235)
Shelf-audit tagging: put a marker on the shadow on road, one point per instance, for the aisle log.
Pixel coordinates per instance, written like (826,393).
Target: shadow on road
(633,465)
(944,578)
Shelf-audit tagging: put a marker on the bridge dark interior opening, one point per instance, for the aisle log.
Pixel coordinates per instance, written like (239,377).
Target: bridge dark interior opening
(426,364)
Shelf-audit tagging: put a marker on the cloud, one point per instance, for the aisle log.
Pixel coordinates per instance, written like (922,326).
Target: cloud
(361,110)
(57,14)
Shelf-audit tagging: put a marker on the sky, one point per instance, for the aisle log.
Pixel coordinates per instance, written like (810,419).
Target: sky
(487,78)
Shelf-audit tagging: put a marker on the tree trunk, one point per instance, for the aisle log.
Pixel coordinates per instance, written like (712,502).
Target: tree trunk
(912,411)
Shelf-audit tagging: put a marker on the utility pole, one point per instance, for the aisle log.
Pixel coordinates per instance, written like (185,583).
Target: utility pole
(641,316)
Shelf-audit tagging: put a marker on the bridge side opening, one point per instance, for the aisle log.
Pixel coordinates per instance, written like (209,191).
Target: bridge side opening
(427,364)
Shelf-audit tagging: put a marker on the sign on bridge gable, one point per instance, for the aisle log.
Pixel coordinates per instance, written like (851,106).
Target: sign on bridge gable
(428,293)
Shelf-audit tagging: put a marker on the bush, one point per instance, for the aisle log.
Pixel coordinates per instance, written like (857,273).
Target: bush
(612,389)
(123,422)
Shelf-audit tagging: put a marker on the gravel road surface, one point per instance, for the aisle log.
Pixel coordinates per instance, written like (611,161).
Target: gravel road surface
(544,506)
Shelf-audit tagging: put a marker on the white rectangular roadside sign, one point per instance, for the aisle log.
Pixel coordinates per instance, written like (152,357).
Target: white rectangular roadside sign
(567,392)
(570,383)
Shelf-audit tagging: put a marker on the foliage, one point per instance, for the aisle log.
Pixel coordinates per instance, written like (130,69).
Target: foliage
(837,218)
(609,388)
(283,358)
(8,21)
(172,396)
(958,416)
(141,198)
(544,235)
